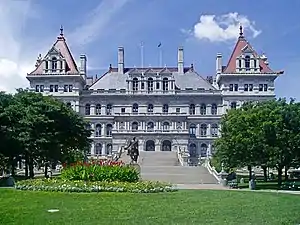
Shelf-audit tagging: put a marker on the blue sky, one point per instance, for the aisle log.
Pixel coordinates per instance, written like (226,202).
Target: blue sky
(97,28)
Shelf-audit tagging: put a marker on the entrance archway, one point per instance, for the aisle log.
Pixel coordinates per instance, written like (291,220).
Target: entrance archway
(150,145)
(166,145)
(193,150)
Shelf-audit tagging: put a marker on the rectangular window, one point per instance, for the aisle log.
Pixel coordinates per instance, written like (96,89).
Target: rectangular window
(245,87)
(250,87)
(260,87)
(236,87)
(265,87)
(65,88)
(37,88)
(142,85)
(42,88)
(70,88)
(157,85)
(177,110)
(56,88)
(230,87)
(240,63)
(122,110)
(51,88)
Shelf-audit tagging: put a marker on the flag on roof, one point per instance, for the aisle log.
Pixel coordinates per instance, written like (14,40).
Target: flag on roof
(159,44)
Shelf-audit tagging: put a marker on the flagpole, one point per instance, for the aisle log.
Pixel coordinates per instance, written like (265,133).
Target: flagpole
(142,54)
(160,58)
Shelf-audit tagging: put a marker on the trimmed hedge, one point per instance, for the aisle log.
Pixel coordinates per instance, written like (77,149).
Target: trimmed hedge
(59,185)
(107,170)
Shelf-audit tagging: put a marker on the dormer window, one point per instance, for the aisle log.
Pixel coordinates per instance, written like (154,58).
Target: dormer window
(54,64)
(135,84)
(165,84)
(150,84)
(247,62)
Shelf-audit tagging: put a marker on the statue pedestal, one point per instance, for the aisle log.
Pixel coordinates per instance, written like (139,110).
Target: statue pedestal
(136,166)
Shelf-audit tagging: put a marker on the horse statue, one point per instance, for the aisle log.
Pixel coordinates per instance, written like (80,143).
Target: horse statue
(132,150)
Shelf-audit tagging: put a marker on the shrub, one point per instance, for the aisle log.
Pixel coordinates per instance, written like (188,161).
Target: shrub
(59,185)
(108,171)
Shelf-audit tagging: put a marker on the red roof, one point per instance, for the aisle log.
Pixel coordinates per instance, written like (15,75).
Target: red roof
(241,44)
(61,46)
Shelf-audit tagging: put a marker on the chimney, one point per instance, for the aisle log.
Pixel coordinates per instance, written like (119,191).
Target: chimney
(121,60)
(219,63)
(180,60)
(83,65)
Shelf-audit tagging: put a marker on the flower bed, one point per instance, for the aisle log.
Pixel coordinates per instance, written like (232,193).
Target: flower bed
(103,170)
(60,185)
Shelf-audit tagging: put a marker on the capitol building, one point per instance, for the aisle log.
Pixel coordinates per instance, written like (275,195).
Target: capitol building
(166,108)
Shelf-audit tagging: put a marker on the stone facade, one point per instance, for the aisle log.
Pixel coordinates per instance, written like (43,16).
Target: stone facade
(167,108)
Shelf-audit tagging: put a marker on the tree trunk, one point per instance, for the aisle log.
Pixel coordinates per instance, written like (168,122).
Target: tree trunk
(12,164)
(250,172)
(265,173)
(46,170)
(31,172)
(279,169)
(26,165)
(286,176)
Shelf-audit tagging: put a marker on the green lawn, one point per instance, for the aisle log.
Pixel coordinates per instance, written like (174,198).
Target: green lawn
(182,207)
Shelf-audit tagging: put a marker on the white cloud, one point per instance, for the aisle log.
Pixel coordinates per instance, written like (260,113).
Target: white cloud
(15,63)
(223,28)
(96,22)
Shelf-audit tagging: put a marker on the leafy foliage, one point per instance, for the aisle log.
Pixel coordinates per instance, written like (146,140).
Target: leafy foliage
(36,127)
(97,186)
(108,171)
(263,134)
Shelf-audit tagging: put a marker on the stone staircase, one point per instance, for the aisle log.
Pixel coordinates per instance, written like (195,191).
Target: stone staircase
(164,166)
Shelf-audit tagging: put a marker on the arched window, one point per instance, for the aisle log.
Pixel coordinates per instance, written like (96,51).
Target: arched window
(193,130)
(109,109)
(98,109)
(233,105)
(108,130)
(203,109)
(165,109)
(192,109)
(150,126)
(214,130)
(135,108)
(108,149)
(203,150)
(135,84)
(150,108)
(150,84)
(247,62)
(165,84)
(134,126)
(98,149)
(98,130)
(193,150)
(54,64)
(166,126)
(203,130)
(69,104)
(214,109)
(87,109)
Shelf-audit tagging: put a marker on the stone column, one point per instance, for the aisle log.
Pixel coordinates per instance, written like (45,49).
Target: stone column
(103,130)
(103,149)
(208,130)
(93,128)
(77,108)
(157,145)
(93,109)
(93,148)
(209,150)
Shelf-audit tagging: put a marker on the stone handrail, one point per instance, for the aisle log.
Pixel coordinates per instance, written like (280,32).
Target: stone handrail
(183,157)
(212,170)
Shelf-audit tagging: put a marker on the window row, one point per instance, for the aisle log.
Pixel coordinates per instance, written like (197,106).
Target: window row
(203,151)
(214,130)
(150,84)
(247,63)
(100,149)
(150,107)
(248,87)
(165,126)
(54,64)
(54,88)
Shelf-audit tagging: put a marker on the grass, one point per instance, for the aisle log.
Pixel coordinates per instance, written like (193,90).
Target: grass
(183,207)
